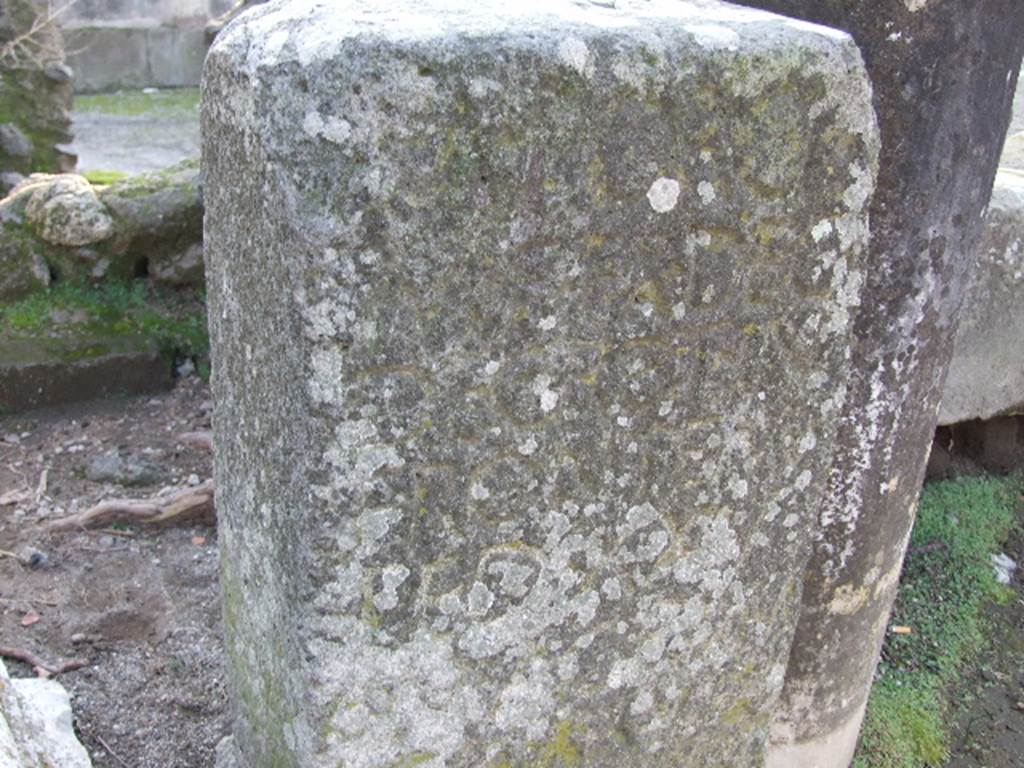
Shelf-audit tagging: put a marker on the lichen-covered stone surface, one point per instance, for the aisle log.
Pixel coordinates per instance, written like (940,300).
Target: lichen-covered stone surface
(530,327)
(986,374)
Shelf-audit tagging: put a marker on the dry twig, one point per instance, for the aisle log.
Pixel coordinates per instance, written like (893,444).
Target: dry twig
(37,45)
(185,505)
(42,669)
(111,751)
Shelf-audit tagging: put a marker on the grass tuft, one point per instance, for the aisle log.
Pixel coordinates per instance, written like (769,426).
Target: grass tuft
(104,178)
(947,582)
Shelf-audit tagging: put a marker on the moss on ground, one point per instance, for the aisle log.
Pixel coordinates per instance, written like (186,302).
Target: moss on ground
(133,103)
(174,320)
(103,178)
(947,582)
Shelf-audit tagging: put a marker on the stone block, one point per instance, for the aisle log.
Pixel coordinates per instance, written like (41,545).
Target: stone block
(36,373)
(530,325)
(35,725)
(134,55)
(986,373)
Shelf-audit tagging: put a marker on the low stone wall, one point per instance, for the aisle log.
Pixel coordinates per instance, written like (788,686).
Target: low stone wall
(507,301)
(62,227)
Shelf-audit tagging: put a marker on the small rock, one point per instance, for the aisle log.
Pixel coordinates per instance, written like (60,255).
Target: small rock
(105,541)
(193,480)
(34,558)
(66,211)
(9,180)
(59,73)
(1004,567)
(186,368)
(11,438)
(123,470)
(13,142)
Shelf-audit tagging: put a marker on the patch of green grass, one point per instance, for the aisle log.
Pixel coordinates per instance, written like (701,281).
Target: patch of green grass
(173,320)
(103,178)
(173,101)
(947,581)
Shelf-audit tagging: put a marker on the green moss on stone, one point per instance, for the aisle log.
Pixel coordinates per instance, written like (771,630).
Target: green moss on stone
(174,322)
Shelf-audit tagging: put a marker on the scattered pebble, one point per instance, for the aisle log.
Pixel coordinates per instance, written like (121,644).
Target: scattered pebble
(34,558)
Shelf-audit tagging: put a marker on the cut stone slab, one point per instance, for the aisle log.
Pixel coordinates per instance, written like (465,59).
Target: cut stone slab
(35,373)
(35,725)
(986,373)
(506,301)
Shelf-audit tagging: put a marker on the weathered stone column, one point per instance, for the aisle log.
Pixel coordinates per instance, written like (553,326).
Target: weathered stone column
(530,326)
(943,76)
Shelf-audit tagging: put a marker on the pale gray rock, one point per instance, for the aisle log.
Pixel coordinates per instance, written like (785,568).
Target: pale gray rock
(35,725)
(65,210)
(14,142)
(123,470)
(507,302)
(986,373)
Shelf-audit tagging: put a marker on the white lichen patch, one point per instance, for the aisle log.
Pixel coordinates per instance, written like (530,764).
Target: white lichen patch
(706,191)
(714,35)
(663,194)
(335,129)
(542,389)
(574,53)
(821,230)
(357,454)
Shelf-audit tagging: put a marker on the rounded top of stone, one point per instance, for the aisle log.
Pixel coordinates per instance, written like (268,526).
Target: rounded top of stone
(312,30)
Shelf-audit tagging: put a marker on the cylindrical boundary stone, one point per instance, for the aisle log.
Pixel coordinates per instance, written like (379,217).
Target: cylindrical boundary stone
(530,323)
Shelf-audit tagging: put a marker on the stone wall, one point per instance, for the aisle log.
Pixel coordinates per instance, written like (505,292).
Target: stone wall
(530,326)
(35,97)
(138,43)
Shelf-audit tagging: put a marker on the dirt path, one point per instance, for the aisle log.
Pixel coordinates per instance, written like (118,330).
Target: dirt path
(140,606)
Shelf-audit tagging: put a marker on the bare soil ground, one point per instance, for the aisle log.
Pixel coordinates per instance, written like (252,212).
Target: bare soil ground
(139,605)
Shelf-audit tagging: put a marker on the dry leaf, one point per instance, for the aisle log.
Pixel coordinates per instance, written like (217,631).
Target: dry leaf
(29,619)
(199,540)
(898,630)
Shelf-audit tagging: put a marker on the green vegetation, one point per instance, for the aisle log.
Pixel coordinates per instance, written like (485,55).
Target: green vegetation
(103,178)
(167,103)
(947,581)
(175,321)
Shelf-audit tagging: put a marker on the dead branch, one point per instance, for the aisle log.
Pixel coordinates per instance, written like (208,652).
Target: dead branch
(185,505)
(202,440)
(41,668)
(39,44)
